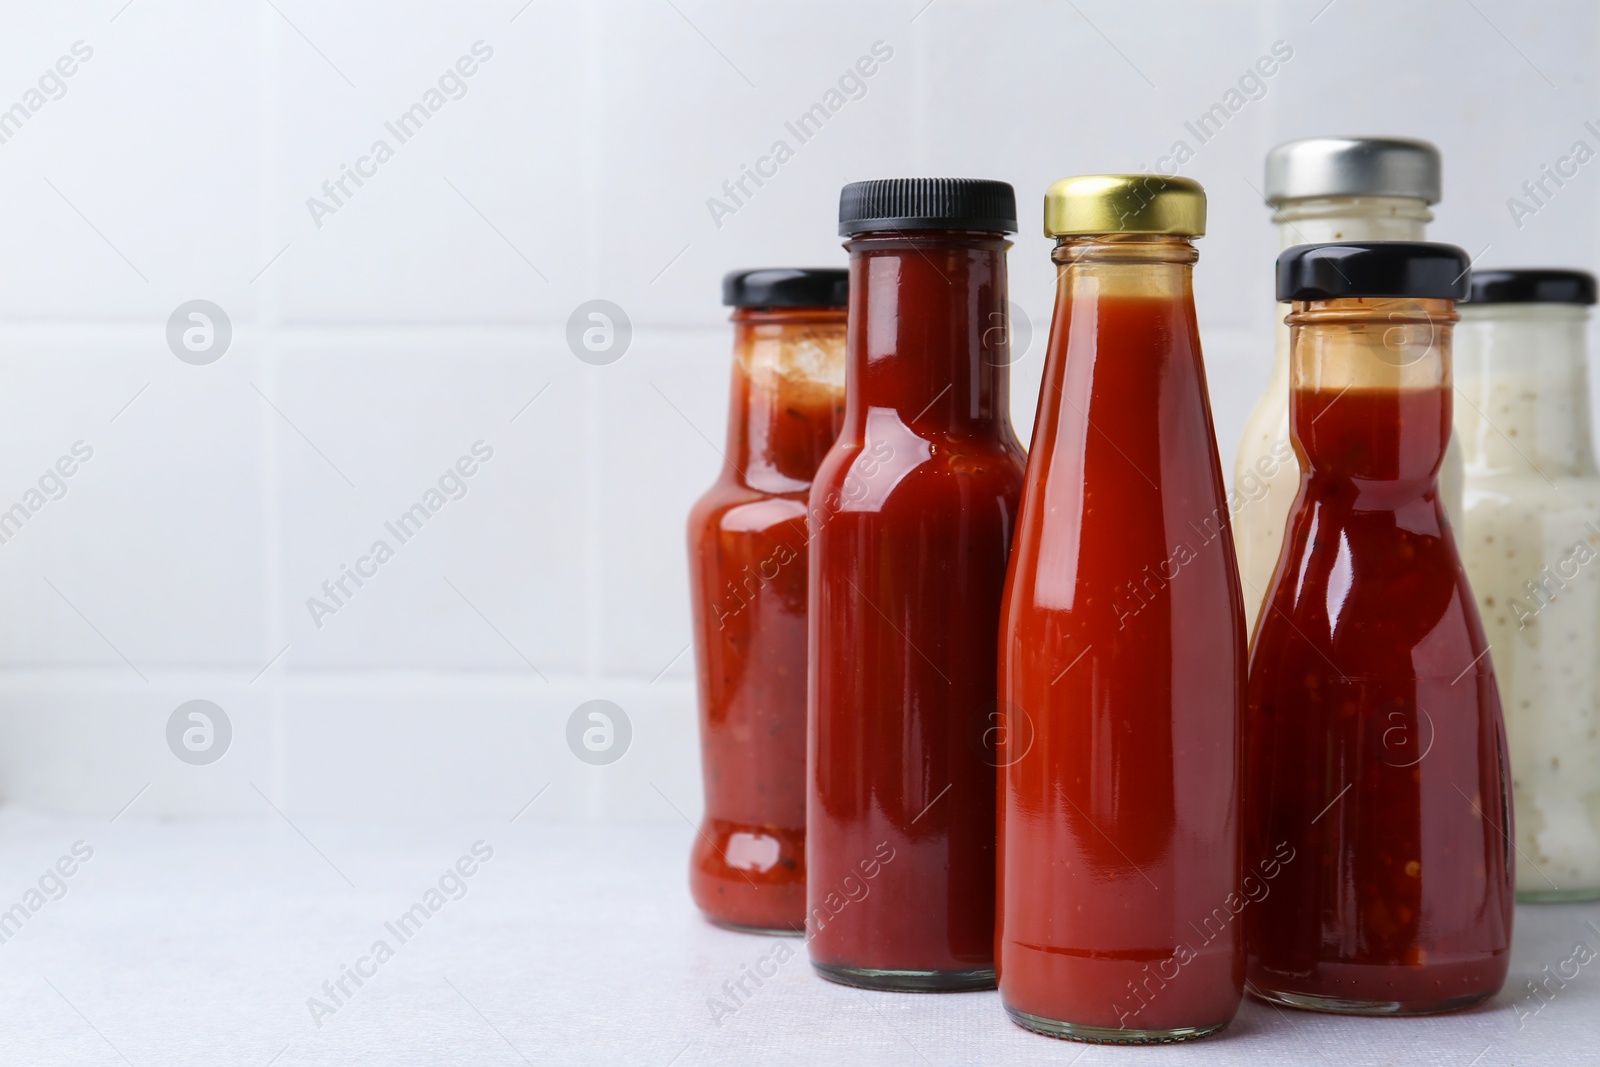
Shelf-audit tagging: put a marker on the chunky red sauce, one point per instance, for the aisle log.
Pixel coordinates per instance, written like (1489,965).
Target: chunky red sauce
(748,554)
(911,519)
(1376,751)
(1122,677)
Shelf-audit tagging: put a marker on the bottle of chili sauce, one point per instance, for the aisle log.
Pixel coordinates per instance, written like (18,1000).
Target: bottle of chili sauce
(747,558)
(1122,648)
(1375,758)
(911,520)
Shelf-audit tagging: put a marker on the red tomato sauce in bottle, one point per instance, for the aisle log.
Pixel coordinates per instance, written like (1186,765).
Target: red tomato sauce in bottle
(748,566)
(1375,752)
(1122,649)
(911,521)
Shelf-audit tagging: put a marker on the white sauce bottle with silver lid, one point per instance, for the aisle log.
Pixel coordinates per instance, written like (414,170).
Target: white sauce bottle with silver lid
(1530,540)
(1322,189)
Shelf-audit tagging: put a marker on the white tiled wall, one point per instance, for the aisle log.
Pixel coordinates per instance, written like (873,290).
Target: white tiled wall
(374,346)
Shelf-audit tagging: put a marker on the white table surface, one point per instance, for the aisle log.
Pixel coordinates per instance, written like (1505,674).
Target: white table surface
(200,942)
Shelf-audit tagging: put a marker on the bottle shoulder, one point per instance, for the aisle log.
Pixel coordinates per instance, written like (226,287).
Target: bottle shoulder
(890,471)
(1387,566)
(730,504)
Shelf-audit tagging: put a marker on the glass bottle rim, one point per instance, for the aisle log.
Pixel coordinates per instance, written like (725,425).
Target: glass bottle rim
(1358,310)
(1125,248)
(787,316)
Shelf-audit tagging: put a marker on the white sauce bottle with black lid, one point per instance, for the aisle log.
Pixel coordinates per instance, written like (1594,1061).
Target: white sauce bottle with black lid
(1529,536)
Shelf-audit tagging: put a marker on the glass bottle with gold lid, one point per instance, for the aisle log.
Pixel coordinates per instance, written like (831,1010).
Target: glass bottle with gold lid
(1122,647)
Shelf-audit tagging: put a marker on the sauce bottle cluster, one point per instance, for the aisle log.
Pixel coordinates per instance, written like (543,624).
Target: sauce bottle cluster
(973,717)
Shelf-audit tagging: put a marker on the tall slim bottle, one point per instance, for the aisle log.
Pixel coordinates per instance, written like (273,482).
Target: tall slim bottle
(1375,755)
(1122,648)
(912,514)
(1322,189)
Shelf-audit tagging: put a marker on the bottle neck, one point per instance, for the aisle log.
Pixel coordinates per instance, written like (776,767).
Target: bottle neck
(929,331)
(1129,295)
(1369,390)
(1351,218)
(1124,265)
(1123,341)
(787,400)
(1522,376)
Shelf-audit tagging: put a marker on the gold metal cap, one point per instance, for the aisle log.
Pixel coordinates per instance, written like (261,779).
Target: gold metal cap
(1125,203)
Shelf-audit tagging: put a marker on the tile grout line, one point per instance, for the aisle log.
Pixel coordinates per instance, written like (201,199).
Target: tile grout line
(269,315)
(594,107)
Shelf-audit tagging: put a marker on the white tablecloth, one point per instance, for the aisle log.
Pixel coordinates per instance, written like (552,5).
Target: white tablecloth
(202,942)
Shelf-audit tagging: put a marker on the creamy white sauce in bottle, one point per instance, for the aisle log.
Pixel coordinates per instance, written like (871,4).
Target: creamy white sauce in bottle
(1529,536)
(1322,189)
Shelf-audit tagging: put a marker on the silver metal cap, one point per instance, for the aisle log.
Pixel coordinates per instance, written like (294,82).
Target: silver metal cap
(1353,166)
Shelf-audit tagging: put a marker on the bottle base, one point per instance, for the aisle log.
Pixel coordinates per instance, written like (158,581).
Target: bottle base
(1346,1006)
(1101,1035)
(1557,896)
(908,981)
(749,877)
(762,931)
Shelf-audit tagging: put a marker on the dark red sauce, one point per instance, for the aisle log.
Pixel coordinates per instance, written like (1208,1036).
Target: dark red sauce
(1375,747)
(911,518)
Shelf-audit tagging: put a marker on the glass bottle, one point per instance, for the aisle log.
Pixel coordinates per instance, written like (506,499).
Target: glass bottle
(1322,189)
(1122,648)
(1530,538)
(1375,761)
(911,521)
(748,573)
